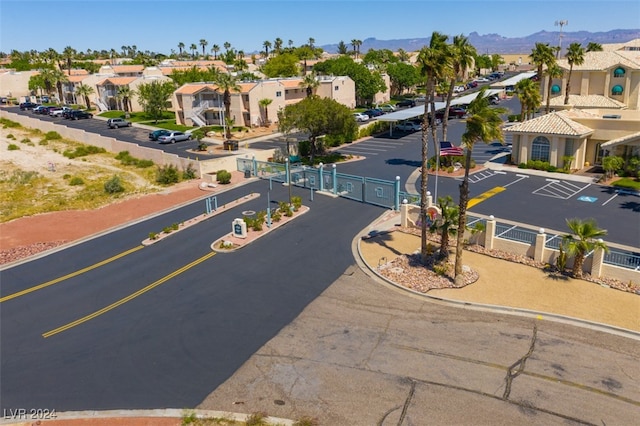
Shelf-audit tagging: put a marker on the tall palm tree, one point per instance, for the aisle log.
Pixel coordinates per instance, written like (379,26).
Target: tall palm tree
(541,55)
(584,238)
(356,46)
(594,47)
(462,54)
(267,46)
(446,224)
(484,124)
(264,103)
(403,56)
(553,71)
(430,66)
(204,44)
(227,83)
(312,41)
(69,54)
(193,49)
(529,95)
(85,91)
(277,45)
(227,46)
(215,49)
(181,47)
(575,56)
(310,83)
(125,93)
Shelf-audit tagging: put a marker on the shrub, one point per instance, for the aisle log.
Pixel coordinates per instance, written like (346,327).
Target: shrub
(52,136)
(113,185)
(167,175)
(175,226)
(13,147)
(26,141)
(43,142)
(9,124)
(153,236)
(167,229)
(285,208)
(10,136)
(276,216)
(83,151)
(297,203)
(202,146)
(223,177)
(307,421)
(450,169)
(76,181)
(189,173)
(256,419)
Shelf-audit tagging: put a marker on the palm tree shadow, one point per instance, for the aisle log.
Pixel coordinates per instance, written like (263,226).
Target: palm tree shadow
(558,276)
(403,162)
(383,238)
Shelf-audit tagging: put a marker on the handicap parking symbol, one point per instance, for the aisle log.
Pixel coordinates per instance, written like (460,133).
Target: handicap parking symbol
(587,199)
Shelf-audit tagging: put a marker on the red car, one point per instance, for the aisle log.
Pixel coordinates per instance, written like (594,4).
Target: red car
(453,113)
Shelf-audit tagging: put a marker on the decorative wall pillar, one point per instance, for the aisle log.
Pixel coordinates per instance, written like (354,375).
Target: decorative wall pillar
(597,261)
(490,233)
(541,238)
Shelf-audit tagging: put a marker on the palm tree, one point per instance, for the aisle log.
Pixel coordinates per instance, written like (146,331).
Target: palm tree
(431,67)
(462,54)
(227,83)
(68,54)
(403,56)
(310,82)
(445,225)
(575,56)
(267,46)
(529,94)
(227,46)
(193,49)
(553,71)
(215,49)
(312,41)
(594,47)
(181,46)
(484,124)
(342,48)
(290,43)
(125,93)
(204,44)
(541,55)
(356,46)
(277,45)
(264,103)
(85,91)
(584,238)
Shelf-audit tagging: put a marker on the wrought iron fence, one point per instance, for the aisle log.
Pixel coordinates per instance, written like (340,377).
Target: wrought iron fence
(515,233)
(623,258)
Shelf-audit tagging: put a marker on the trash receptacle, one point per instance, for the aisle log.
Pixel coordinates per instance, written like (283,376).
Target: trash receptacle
(247,173)
(230,145)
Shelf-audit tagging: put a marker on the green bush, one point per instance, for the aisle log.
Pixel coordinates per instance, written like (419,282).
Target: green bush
(43,142)
(304,148)
(27,141)
(297,203)
(373,129)
(127,160)
(223,177)
(167,175)
(52,136)
(7,124)
(13,147)
(10,136)
(276,216)
(513,118)
(285,208)
(83,151)
(202,146)
(76,181)
(189,173)
(113,185)
(153,236)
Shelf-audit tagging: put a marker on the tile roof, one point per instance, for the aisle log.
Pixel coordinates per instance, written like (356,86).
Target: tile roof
(632,137)
(293,82)
(117,81)
(127,68)
(76,78)
(192,88)
(599,61)
(556,123)
(245,87)
(588,101)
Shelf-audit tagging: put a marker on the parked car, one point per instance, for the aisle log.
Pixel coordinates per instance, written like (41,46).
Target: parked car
(360,117)
(157,133)
(374,112)
(408,126)
(458,89)
(174,137)
(37,109)
(78,114)
(28,105)
(454,112)
(406,103)
(482,80)
(388,108)
(116,123)
(46,109)
(472,84)
(57,112)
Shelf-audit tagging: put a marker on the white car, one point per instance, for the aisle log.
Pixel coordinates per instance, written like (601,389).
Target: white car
(458,89)
(482,80)
(408,126)
(174,137)
(57,112)
(360,117)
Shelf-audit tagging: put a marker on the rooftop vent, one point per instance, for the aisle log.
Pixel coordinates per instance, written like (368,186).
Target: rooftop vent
(612,116)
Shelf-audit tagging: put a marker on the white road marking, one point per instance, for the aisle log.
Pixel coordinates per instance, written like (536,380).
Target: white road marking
(614,196)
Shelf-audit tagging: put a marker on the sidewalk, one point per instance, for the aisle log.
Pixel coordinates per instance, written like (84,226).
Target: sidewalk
(511,287)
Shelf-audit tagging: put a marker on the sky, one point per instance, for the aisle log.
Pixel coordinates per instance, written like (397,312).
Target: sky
(159,25)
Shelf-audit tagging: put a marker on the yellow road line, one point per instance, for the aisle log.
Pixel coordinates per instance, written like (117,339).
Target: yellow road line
(71,275)
(128,298)
(480,198)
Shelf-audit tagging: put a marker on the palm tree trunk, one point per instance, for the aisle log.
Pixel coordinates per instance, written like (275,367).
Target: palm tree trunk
(444,245)
(578,261)
(549,84)
(445,118)
(566,91)
(462,218)
(424,175)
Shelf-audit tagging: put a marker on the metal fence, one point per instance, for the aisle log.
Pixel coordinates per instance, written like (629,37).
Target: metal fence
(623,258)
(515,233)
(380,192)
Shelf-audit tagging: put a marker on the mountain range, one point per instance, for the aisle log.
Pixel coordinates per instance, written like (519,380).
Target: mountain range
(495,43)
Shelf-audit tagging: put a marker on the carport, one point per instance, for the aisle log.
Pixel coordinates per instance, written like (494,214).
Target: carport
(406,114)
(512,81)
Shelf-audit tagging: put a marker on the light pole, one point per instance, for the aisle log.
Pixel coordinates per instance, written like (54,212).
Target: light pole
(560,24)
(288,178)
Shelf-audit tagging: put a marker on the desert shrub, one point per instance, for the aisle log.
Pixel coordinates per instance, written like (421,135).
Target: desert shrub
(153,236)
(83,151)
(189,173)
(450,169)
(223,177)
(127,160)
(276,215)
(75,181)
(27,141)
(52,136)
(113,185)
(202,146)
(297,203)
(43,142)
(167,175)
(9,124)
(285,208)
(307,421)
(10,136)
(13,147)
(256,419)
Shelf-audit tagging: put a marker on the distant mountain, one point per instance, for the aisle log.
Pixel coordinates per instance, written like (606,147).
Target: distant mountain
(495,43)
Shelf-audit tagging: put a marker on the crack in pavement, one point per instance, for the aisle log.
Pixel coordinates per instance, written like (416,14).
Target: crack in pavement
(518,367)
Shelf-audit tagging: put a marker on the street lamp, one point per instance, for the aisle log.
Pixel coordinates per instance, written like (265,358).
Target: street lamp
(560,24)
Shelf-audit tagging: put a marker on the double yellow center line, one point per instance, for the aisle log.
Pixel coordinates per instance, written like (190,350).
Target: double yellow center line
(129,297)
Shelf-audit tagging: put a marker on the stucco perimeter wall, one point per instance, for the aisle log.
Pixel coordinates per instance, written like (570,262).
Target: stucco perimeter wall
(110,144)
(514,247)
(208,168)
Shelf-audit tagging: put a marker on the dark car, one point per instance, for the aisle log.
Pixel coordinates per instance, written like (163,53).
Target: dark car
(453,113)
(374,112)
(28,105)
(406,103)
(157,133)
(77,115)
(46,110)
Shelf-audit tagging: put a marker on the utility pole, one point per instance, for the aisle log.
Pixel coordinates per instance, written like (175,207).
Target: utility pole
(560,24)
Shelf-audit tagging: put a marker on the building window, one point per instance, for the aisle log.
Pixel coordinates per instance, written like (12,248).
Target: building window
(336,88)
(540,149)
(617,90)
(568,148)
(555,89)
(278,94)
(619,72)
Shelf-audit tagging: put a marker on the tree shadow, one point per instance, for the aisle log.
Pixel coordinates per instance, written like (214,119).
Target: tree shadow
(382,238)
(403,162)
